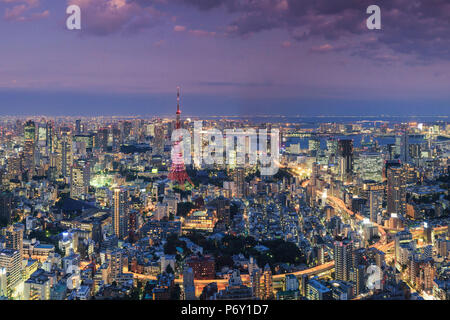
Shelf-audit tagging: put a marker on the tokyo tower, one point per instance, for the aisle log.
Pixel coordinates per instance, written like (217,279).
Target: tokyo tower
(178,170)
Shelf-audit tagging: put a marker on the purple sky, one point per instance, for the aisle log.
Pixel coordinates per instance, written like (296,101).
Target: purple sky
(229,56)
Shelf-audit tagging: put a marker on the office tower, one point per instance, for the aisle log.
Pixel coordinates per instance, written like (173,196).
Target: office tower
(396,191)
(79,179)
(77,126)
(343,249)
(29,146)
(158,144)
(102,139)
(314,174)
(345,152)
(332,146)
(127,125)
(14,237)
(404,146)
(64,154)
(120,213)
(49,138)
(375,202)
(15,166)
(5,207)
(178,170)
(11,262)
(188,283)
(239,180)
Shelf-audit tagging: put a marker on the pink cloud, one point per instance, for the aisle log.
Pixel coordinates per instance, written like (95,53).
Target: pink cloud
(178,28)
(22,10)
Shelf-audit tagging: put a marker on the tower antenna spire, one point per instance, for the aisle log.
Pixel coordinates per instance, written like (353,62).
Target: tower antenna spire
(178,124)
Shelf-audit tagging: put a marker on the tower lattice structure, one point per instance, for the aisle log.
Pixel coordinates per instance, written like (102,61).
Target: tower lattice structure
(178,172)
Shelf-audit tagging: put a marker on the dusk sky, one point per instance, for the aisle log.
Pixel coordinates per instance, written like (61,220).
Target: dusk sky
(231,57)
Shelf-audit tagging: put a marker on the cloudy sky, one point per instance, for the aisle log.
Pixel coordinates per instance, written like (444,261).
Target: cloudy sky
(231,57)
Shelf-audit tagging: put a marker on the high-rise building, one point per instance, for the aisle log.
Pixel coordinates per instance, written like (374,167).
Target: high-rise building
(239,180)
(375,202)
(5,207)
(49,138)
(29,146)
(357,277)
(343,249)
(64,154)
(77,126)
(14,237)
(345,152)
(120,217)
(396,190)
(11,262)
(404,146)
(79,179)
(116,263)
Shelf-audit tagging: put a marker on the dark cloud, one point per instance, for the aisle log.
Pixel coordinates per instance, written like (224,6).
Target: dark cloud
(414,27)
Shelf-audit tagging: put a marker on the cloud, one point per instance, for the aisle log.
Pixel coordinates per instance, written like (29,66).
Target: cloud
(417,28)
(116,16)
(178,28)
(23,10)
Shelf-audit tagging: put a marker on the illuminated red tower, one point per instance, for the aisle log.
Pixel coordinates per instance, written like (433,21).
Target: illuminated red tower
(178,170)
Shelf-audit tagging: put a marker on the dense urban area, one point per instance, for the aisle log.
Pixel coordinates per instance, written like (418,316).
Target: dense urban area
(100,208)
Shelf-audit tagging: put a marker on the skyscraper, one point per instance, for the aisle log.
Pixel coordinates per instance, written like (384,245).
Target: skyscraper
(345,152)
(396,190)
(79,179)
(29,146)
(5,207)
(343,249)
(375,202)
(404,146)
(239,180)
(11,262)
(120,213)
